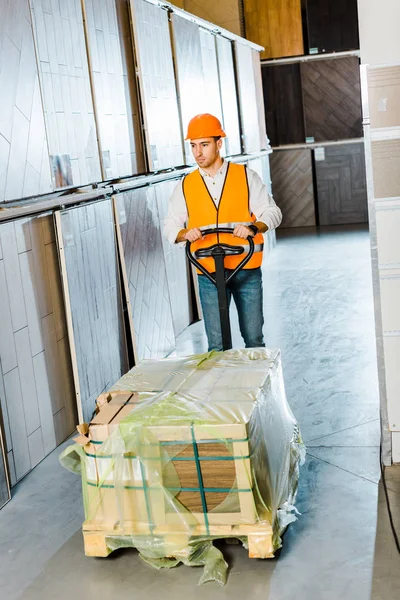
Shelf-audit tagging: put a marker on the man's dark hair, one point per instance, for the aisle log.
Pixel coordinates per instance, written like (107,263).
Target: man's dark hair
(216,137)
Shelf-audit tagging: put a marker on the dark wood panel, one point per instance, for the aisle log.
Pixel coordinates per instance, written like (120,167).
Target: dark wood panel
(332,99)
(276,25)
(332,25)
(283,104)
(341,184)
(292,185)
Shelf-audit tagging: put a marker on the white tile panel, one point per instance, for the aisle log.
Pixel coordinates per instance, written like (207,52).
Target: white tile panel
(247,97)
(390,300)
(387,230)
(391,346)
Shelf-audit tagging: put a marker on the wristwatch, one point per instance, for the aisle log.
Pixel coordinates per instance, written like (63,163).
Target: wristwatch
(253,228)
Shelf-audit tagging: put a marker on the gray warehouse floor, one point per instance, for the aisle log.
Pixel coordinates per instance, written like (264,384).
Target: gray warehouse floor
(319,311)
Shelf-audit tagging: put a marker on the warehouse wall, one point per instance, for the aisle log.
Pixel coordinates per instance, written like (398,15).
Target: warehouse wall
(380,48)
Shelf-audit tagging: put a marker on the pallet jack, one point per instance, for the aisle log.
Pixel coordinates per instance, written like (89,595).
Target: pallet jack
(221,277)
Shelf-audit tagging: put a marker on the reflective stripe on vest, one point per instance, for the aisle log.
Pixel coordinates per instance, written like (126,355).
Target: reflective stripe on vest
(233,209)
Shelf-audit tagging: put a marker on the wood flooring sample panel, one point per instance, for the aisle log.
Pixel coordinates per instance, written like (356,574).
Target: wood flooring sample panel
(385,168)
(153,50)
(92,286)
(36,389)
(341,184)
(332,25)
(189,74)
(24,156)
(247,97)
(276,25)
(384,96)
(67,98)
(114,86)
(283,104)
(292,186)
(175,264)
(230,107)
(145,268)
(332,99)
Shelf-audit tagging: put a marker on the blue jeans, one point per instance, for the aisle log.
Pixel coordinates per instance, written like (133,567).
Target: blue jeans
(246,289)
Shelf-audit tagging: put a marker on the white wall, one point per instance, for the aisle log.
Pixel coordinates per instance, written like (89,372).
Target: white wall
(380,45)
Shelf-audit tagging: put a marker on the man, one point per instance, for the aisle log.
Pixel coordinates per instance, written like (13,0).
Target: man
(227,195)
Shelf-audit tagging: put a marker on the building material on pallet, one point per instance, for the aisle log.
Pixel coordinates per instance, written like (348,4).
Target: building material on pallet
(187,450)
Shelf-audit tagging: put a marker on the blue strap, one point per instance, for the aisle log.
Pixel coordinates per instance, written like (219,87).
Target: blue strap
(200,479)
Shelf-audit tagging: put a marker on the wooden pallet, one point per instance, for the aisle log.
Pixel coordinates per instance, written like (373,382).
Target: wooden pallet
(258,536)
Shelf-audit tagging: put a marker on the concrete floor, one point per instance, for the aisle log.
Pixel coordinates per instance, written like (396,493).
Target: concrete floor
(318,310)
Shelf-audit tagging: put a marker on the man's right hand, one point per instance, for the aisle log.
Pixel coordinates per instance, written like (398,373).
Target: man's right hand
(189,235)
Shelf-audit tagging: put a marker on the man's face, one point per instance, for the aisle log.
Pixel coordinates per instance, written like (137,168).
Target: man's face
(205,151)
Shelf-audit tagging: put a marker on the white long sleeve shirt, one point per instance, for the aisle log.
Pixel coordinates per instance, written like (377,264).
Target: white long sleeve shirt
(261,203)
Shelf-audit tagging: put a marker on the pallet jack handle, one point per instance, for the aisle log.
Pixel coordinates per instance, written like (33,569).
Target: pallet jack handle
(220,279)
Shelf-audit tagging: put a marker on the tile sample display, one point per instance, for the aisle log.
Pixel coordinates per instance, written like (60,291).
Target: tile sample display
(292,185)
(114,87)
(65,83)
(283,104)
(4,482)
(247,97)
(276,25)
(176,265)
(211,90)
(260,100)
(385,168)
(36,387)
(91,281)
(332,25)
(24,155)
(383,96)
(146,276)
(341,184)
(230,108)
(189,73)
(332,99)
(157,85)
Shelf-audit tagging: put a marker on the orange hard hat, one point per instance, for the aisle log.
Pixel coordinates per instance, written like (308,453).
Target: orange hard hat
(204,126)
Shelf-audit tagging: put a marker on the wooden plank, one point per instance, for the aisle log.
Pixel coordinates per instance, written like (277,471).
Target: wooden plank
(332,99)
(283,104)
(292,184)
(27,378)
(341,185)
(276,25)
(15,408)
(332,25)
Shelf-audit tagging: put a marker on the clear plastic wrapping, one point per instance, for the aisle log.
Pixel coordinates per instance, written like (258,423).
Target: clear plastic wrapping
(184,451)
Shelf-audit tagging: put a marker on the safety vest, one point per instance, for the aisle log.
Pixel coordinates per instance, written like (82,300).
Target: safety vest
(233,209)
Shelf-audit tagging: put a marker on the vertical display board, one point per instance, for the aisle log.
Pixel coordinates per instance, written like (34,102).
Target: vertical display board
(175,264)
(332,25)
(91,282)
(211,90)
(247,97)
(260,100)
(159,102)
(332,99)
(114,87)
(341,184)
(383,96)
(275,25)
(145,273)
(230,109)
(292,185)
(24,155)
(283,104)
(68,106)
(36,386)
(189,73)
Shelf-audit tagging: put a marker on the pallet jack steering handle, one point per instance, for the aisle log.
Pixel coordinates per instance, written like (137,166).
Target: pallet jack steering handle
(218,252)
